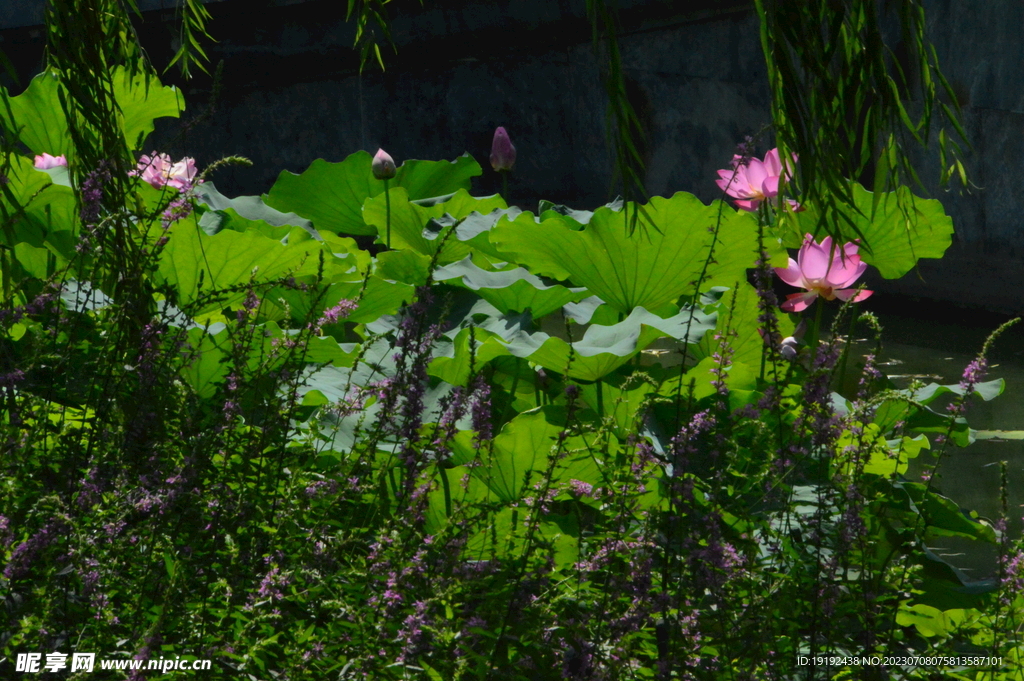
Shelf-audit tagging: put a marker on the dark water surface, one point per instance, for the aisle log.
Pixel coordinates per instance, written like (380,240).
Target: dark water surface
(936,345)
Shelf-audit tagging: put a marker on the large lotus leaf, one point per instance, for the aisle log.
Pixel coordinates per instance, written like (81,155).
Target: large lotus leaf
(519,455)
(216,221)
(605,348)
(575,218)
(621,398)
(504,537)
(40,124)
(406,266)
(929,621)
(945,518)
(522,451)
(379,298)
(229,259)
(141,100)
(510,290)
(451,362)
(739,312)
(447,494)
(332,194)
(38,121)
(32,208)
(208,350)
(897,232)
(738,377)
(643,270)
(423,228)
(249,207)
(476,229)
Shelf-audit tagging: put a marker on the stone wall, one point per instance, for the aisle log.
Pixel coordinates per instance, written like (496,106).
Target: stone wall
(292,93)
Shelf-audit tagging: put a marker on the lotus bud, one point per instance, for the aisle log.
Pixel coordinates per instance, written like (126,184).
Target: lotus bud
(383,165)
(503,154)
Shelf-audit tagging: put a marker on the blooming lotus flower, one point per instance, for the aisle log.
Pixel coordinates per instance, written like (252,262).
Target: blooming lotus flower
(755,181)
(823,273)
(503,154)
(159,171)
(383,166)
(45,162)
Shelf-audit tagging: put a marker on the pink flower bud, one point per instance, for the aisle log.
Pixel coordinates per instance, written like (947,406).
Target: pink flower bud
(503,154)
(45,162)
(383,165)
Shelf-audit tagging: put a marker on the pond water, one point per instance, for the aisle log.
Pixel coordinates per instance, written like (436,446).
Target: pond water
(936,345)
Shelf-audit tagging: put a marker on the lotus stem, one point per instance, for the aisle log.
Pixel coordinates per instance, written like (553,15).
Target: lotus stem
(387,206)
(504,186)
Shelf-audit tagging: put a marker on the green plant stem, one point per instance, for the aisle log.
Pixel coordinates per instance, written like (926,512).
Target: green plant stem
(812,340)
(846,350)
(387,205)
(504,186)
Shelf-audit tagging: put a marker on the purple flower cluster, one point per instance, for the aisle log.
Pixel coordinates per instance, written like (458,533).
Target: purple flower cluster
(25,553)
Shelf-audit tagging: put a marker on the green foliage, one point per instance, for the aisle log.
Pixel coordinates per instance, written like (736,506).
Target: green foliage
(233,433)
(332,194)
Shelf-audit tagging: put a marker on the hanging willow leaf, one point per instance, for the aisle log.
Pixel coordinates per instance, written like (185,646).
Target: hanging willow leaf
(838,97)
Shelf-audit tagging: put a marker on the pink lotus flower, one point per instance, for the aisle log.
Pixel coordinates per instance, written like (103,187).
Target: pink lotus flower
(159,171)
(383,166)
(45,162)
(503,153)
(755,181)
(823,273)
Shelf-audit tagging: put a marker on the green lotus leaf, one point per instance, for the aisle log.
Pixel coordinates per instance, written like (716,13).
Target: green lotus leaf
(575,218)
(451,361)
(475,230)
(141,100)
(380,298)
(621,398)
(504,537)
(738,377)
(45,214)
(37,119)
(405,266)
(448,493)
(740,315)
(229,259)
(248,207)
(645,270)
(605,348)
(332,194)
(520,451)
(896,233)
(423,228)
(208,350)
(510,290)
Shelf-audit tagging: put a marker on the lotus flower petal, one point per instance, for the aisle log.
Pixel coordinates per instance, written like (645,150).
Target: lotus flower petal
(798,302)
(45,161)
(853,294)
(791,275)
(814,258)
(823,273)
(755,180)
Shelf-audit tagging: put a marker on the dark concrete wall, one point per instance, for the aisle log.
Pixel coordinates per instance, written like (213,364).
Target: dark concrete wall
(291,93)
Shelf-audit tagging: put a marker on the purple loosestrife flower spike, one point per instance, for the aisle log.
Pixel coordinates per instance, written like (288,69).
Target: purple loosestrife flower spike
(383,165)
(503,153)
